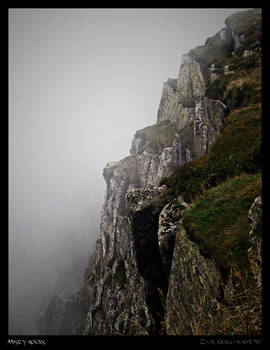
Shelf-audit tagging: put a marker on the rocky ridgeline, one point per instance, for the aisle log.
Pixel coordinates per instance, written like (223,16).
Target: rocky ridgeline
(145,275)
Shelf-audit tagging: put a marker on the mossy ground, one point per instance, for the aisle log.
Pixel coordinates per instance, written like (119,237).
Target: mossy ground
(218,222)
(240,88)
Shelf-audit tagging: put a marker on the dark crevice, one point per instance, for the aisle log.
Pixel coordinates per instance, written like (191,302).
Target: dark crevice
(144,229)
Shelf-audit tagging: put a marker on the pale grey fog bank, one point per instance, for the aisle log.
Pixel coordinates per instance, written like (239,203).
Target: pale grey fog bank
(81,82)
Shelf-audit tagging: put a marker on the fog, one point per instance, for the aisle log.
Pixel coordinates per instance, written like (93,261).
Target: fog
(81,82)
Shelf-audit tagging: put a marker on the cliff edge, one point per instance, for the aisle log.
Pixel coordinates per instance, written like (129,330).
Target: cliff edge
(174,226)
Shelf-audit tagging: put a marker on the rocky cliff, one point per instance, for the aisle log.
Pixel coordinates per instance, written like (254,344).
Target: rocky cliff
(148,274)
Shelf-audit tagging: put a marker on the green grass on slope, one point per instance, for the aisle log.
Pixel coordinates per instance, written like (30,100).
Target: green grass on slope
(219,221)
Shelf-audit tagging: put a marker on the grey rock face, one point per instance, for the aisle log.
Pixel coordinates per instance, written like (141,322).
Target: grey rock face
(167,228)
(172,108)
(192,78)
(141,254)
(117,291)
(209,116)
(153,163)
(152,168)
(136,246)
(122,283)
(206,116)
(140,198)
(144,227)
(193,288)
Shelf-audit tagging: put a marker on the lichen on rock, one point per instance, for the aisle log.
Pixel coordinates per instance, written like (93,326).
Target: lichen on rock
(167,228)
(194,288)
(209,117)
(192,79)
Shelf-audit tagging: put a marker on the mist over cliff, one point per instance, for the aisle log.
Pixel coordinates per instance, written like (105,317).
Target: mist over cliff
(81,82)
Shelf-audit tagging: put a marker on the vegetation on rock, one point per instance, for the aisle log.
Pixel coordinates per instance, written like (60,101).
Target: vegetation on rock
(246,22)
(157,137)
(215,50)
(218,222)
(210,287)
(222,185)
(237,149)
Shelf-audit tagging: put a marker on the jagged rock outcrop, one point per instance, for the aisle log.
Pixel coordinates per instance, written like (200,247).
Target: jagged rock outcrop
(209,117)
(193,78)
(167,229)
(133,260)
(117,291)
(145,269)
(174,107)
(144,225)
(199,300)
(157,153)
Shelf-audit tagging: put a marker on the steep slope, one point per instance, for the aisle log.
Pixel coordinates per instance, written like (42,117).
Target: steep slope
(156,267)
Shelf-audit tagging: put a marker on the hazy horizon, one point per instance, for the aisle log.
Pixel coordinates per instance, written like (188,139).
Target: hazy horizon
(81,82)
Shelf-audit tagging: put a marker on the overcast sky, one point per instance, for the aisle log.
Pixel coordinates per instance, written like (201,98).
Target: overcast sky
(81,82)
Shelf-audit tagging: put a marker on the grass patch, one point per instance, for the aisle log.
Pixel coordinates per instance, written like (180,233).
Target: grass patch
(244,89)
(217,87)
(219,221)
(241,88)
(244,64)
